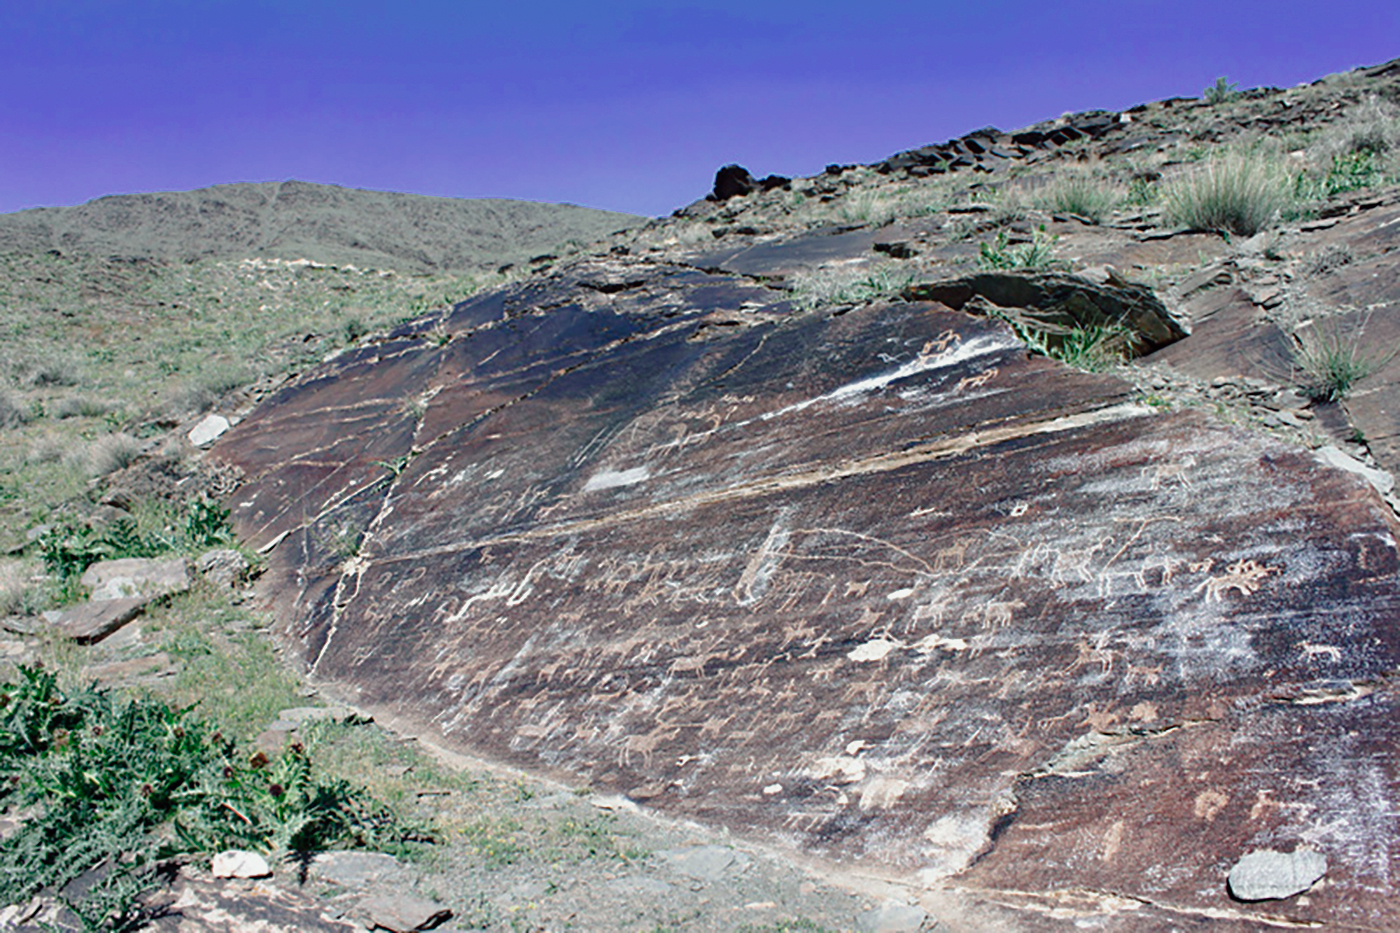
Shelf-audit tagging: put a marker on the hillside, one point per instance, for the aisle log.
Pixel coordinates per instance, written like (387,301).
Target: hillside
(300,220)
(1004,531)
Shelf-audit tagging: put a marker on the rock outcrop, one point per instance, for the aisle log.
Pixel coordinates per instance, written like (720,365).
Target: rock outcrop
(858,574)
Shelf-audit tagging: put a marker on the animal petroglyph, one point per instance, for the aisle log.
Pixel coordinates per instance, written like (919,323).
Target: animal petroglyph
(997,614)
(1177,471)
(1311,652)
(953,556)
(941,343)
(646,744)
(1244,576)
(1090,655)
(977,381)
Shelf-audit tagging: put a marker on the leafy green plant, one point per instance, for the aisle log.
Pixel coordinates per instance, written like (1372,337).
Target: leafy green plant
(1348,171)
(1037,254)
(70,547)
(1235,195)
(1222,91)
(115,787)
(1332,363)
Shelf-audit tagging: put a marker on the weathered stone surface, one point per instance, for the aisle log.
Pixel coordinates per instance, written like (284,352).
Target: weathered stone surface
(223,566)
(893,917)
(93,621)
(137,576)
(1057,303)
(878,585)
(352,869)
(1270,875)
(403,913)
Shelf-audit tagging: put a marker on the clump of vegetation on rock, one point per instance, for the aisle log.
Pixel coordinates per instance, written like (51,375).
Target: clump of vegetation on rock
(1237,195)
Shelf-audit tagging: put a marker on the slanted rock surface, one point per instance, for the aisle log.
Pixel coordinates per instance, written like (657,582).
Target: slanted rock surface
(858,575)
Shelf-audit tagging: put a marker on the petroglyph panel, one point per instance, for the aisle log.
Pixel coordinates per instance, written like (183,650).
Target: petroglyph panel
(877,585)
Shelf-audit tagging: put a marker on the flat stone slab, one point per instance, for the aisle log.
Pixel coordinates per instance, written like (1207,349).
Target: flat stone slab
(137,576)
(209,429)
(93,621)
(403,913)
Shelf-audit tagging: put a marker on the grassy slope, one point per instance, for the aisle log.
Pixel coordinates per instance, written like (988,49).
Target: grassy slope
(299,220)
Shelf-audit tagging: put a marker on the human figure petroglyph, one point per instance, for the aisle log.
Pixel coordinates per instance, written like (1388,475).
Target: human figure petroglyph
(977,381)
(1244,576)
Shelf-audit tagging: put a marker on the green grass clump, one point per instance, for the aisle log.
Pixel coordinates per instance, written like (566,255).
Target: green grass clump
(1037,254)
(70,547)
(114,787)
(1333,363)
(846,286)
(1234,195)
(1081,195)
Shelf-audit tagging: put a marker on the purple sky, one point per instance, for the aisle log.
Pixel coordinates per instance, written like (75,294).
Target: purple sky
(629,106)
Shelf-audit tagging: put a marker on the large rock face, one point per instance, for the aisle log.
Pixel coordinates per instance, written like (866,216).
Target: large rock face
(868,580)
(877,585)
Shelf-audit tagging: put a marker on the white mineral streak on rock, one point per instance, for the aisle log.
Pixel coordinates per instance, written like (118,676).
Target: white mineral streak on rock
(982,346)
(610,479)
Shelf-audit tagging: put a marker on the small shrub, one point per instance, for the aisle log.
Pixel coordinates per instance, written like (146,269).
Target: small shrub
(1221,92)
(46,372)
(112,453)
(12,412)
(209,387)
(353,330)
(1332,363)
(1234,195)
(1142,192)
(1093,348)
(75,406)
